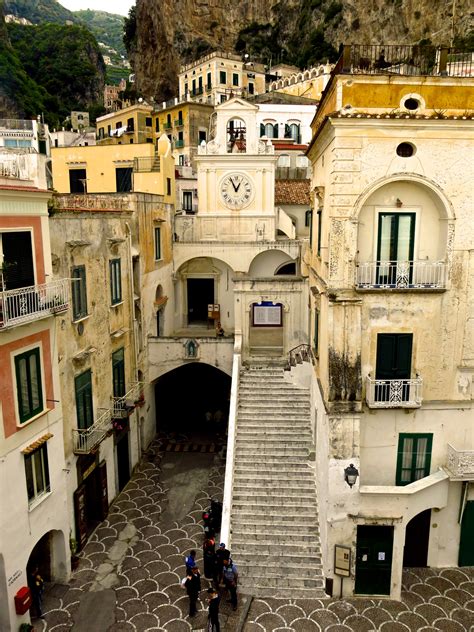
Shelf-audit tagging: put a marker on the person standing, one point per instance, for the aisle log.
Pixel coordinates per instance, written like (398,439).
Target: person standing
(193,588)
(209,555)
(231,576)
(36,585)
(213,617)
(221,554)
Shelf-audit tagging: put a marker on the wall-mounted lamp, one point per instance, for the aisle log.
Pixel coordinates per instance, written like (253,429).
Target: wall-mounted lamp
(350,475)
(399,203)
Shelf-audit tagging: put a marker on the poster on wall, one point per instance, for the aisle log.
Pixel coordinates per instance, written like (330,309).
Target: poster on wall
(267,314)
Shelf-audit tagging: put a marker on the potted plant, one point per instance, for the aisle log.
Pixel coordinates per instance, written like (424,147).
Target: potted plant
(26,627)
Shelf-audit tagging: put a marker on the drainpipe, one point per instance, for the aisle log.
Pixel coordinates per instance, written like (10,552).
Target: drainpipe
(132,323)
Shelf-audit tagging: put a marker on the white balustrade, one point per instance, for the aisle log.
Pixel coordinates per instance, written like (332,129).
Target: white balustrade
(27,304)
(394,393)
(87,439)
(422,275)
(461,463)
(123,406)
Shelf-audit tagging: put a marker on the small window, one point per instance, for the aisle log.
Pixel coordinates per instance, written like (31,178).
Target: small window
(157,125)
(148,121)
(209,81)
(37,473)
(308,216)
(222,76)
(115,281)
(202,136)
(316,333)
(251,88)
(84,408)
(187,201)
(283,160)
(118,125)
(130,125)
(79,292)
(411,104)
(301,162)
(28,384)
(149,140)
(320,224)
(223,98)
(235,79)
(414,457)
(405,150)
(56,143)
(118,373)
(168,186)
(157,243)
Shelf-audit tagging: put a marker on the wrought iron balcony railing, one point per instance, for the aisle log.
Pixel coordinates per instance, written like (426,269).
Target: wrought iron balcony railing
(88,439)
(393,393)
(178,122)
(124,406)
(179,143)
(28,304)
(401,275)
(461,463)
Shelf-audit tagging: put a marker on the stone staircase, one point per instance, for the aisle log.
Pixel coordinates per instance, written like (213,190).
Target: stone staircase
(274,517)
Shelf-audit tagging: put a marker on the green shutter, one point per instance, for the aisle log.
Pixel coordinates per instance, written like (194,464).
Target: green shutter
(84,409)
(118,373)
(28,383)
(413,458)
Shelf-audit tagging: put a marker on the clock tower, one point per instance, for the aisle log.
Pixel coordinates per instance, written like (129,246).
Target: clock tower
(236,175)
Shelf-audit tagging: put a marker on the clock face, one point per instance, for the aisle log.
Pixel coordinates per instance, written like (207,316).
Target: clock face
(236,190)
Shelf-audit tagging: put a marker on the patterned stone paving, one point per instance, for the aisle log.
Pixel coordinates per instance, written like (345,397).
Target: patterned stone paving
(433,600)
(138,554)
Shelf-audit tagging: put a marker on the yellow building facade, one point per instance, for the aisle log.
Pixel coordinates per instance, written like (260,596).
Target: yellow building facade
(133,124)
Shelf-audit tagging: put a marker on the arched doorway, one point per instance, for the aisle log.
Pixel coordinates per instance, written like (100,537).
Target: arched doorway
(49,555)
(193,399)
(417,539)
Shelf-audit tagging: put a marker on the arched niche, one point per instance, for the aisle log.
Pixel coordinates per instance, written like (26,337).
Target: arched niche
(265,263)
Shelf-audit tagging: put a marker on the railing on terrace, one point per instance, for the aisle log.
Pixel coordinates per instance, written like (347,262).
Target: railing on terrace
(461,462)
(405,59)
(16,124)
(298,355)
(179,143)
(401,275)
(124,406)
(27,304)
(393,393)
(146,163)
(178,122)
(87,440)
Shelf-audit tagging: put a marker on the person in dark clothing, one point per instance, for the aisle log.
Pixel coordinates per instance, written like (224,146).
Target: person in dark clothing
(193,588)
(230,580)
(221,554)
(213,617)
(209,555)
(36,584)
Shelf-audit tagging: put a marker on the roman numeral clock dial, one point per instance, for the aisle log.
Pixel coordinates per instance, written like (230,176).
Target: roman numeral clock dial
(236,190)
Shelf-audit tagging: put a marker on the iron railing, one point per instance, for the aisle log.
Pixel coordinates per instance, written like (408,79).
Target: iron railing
(178,122)
(394,393)
(22,124)
(461,462)
(27,304)
(421,275)
(123,406)
(405,59)
(179,143)
(298,355)
(88,439)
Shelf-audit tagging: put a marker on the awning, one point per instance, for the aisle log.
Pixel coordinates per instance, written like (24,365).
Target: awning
(37,444)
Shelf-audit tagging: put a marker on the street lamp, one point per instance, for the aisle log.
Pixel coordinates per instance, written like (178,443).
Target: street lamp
(350,475)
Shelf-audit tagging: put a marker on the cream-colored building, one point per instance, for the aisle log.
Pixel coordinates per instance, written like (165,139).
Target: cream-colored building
(309,83)
(219,76)
(132,124)
(34,522)
(391,279)
(115,246)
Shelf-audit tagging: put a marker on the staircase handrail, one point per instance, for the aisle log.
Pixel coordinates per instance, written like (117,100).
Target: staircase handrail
(225,534)
(302,352)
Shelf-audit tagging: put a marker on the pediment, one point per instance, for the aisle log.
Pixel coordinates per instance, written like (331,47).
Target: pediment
(236,103)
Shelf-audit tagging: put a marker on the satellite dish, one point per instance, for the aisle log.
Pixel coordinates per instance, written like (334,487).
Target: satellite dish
(140,100)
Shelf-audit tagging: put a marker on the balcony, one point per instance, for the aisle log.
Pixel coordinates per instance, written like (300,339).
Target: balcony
(125,405)
(178,122)
(393,393)
(87,440)
(460,464)
(167,125)
(28,304)
(146,164)
(179,143)
(401,275)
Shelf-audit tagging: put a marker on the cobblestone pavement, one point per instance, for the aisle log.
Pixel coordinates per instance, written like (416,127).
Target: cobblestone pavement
(136,557)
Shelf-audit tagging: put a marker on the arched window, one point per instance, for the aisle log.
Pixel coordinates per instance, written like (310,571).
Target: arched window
(271,130)
(287,268)
(236,136)
(294,132)
(302,162)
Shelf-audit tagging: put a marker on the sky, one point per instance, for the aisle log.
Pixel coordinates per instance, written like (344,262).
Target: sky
(111,6)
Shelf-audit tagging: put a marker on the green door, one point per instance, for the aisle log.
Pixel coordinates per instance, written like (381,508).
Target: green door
(466,544)
(395,244)
(373,560)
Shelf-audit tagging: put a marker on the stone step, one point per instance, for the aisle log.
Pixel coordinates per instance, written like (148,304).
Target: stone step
(277,391)
(270,461)
(272,434)
(254,531)
(284,593)
(242,547)
(293,560)
(295,511)
(274,477)
(288,402)
(284,582)
(257,451)
(277,500)
(283,522)
(282,486)
(294,420)
(281,568)
(271,441)
(294,469)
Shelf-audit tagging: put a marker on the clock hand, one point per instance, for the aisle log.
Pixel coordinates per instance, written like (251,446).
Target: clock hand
(233,184)
(236,190)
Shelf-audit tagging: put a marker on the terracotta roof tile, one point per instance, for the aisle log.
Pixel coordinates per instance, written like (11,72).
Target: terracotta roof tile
(292,192)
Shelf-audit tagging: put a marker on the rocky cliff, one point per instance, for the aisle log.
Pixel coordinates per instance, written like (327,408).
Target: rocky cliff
(171,32)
